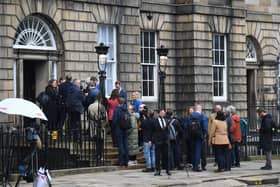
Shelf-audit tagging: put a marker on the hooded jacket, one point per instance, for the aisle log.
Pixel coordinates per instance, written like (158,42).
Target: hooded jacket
(235,128)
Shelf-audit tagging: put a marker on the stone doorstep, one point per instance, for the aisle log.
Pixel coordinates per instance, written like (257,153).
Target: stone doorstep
(259,180)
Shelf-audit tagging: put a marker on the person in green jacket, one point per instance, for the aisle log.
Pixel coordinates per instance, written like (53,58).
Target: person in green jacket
(133,148)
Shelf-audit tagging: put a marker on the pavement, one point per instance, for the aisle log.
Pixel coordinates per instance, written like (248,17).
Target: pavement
(249,174)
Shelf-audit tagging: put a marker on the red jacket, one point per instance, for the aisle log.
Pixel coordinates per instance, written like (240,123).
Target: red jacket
(235,128)
(112,104)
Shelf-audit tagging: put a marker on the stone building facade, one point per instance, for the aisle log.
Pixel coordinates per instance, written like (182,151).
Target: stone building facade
(220,51)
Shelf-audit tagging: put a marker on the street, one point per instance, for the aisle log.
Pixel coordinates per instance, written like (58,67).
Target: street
(249,171)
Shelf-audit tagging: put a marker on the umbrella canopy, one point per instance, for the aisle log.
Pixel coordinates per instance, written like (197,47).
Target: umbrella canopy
(22,107)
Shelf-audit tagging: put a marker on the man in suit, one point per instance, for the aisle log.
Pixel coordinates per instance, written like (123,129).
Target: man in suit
(122,92)
(161,142)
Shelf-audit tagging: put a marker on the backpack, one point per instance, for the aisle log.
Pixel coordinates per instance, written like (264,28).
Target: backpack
(195,127)
(124,120)
(43,98)
(31,134)
(243,126)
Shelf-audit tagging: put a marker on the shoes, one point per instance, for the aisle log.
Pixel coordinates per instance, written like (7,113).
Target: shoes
(147,170)
(204,169)
(197,170)
(132,162)
(219,170)
(266,168)
(237,165)
(168,173)
(157,173)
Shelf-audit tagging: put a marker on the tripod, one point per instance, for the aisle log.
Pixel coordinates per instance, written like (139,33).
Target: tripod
(28,168)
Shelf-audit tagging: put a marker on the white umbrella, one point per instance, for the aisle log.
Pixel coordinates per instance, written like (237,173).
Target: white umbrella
(22,107)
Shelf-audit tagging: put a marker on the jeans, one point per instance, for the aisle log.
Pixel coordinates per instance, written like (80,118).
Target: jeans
(204,154)
(149,153)
(196,152)
(235,158)
(121,136)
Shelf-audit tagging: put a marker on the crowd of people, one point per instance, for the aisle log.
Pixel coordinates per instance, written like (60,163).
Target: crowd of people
(167,141)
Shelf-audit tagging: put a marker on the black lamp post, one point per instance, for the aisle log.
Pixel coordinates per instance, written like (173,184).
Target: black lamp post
(102,51)
(162,53)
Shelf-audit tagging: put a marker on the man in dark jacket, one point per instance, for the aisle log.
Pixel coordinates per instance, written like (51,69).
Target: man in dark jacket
(197,141)
(74,103)
(161,134)
(121,134)
(266,136)
(63,91)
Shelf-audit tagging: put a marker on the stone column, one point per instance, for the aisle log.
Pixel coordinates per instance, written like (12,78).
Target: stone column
(20,77)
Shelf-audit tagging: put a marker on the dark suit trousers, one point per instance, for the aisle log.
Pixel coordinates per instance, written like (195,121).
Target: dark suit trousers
(161,156)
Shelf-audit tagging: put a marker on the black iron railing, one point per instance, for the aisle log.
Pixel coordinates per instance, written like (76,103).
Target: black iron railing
(59,148)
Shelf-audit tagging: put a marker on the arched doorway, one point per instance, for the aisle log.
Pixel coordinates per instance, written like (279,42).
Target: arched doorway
(38,47)
(252,65)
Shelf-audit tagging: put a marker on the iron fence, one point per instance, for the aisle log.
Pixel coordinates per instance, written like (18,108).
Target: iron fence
(59,148)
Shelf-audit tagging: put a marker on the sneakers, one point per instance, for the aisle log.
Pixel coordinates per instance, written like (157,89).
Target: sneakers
(266,168)
(132,162)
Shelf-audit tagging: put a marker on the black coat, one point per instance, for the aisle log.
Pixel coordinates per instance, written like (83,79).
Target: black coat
(160,134)
(266,133)
(147,126)
(51,108)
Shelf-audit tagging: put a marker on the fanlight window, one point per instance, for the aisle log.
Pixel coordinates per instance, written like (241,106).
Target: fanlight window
(34,33)
(251,55)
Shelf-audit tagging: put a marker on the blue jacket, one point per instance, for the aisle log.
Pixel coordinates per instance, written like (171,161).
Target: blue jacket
(136,105)
(203,122)
(64,90)
(75,99)
(123,94)
(91,97)
(116,116)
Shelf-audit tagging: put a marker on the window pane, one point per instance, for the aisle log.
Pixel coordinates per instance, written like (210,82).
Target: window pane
(221,75)
(111,34)
(146,39)
(145,72)
(222,58)
(142,57)
(111,52)
(151,88)
(215,74)
(152,39)
(145,88)
(216,62)
(222,45)
(151,72)
(146,55)
(152,56)
(221,88)
(216,42)
(215,84)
